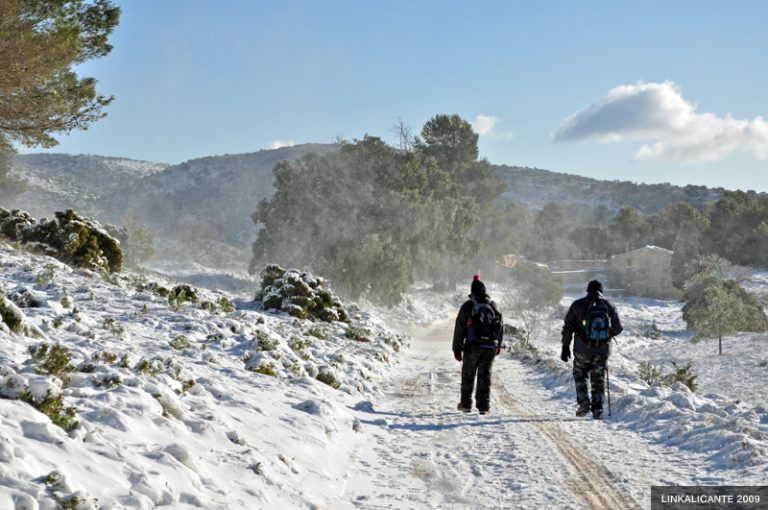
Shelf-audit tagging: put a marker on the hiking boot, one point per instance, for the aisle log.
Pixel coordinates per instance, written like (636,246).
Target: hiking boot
(463,409)
(484,411)
(583,409)
(597,414)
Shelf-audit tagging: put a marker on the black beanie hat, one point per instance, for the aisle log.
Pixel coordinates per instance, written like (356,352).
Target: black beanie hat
(477,287)
(594,286)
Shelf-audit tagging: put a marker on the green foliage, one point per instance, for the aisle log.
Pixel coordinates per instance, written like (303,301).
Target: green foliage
(550,239)
(299,344)
(649,373)
(328,378)
(652,374)
(181,294)
(179,343)
(147,367)
(265,343)
(537,285)
(449,140)
(358,334)
(524,346)
(69,237)
(53,407)
(44,278)
(53,360)
(160,291)
(685,375)
(8,317)
(318,332)
(105,356)
(715,308)
(110,324)
(737,229)
(299,294)
(41,42)
(265,368)
(139,242)
(187,385)
(402,212)
(225,305)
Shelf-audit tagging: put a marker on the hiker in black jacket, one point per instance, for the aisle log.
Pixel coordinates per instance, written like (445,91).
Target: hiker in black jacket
(594,322)
(476,341)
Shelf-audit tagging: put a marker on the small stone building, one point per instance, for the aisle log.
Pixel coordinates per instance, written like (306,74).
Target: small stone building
(646,271)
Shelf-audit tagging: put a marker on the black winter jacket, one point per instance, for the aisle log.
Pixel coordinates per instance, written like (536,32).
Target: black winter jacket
(460,330)
(574,326)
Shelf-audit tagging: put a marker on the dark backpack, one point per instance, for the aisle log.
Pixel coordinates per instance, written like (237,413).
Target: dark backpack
(483,324)
(597,324)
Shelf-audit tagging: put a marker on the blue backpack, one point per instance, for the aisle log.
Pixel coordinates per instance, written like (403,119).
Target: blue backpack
(597,324)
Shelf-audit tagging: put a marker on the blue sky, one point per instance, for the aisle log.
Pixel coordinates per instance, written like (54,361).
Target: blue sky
(643,91)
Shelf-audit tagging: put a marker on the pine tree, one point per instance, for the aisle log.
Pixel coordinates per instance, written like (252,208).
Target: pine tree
(40,93)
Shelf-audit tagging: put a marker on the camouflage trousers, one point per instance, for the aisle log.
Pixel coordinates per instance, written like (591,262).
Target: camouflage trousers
(477,363)
(592,367)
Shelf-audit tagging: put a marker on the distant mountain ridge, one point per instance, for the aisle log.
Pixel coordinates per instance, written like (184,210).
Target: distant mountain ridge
(219,193)
(536,188)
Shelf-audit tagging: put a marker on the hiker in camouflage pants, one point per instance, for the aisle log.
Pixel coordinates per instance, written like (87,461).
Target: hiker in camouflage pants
(592,367)
(590,359)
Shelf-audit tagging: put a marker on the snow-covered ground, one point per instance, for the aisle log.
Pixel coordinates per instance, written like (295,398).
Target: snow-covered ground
(203,425)
(172,406)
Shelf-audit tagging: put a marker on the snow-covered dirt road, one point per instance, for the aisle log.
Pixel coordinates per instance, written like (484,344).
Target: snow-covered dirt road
(530,451)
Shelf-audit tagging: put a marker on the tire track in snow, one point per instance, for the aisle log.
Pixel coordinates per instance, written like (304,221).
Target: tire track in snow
(591,482)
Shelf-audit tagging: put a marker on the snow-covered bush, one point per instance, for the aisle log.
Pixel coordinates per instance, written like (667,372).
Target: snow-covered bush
(299,294)
(69,237)
(52,405)
(180,294)
(12,319)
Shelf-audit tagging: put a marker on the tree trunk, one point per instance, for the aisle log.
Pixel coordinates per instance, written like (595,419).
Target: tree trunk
(720,345)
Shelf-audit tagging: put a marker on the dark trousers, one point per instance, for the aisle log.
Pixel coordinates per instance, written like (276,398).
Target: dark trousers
(592,367)
(477,363)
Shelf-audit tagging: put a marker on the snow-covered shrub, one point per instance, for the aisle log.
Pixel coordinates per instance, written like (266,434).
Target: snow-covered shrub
(11,318)
(358,334)
(652,374)
(181,294)
(327,375)
(52,405)
(25,298)
(69,237)
(649,373)
(53,360)
(299,294)
(179,343)
(684,375)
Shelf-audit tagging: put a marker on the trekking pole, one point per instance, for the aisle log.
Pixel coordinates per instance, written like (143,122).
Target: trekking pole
(608,382)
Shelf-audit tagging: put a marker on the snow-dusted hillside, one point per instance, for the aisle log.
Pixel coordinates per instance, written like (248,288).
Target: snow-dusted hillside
(210,199)
(179,405)
(61,181)
(223,190)
(536,188)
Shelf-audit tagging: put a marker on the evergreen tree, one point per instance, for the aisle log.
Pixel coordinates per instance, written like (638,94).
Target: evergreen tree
(716,308)
(40,93)
(40,41)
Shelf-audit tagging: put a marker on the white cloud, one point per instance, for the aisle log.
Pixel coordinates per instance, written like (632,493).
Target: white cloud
(485,125)
(669,126)
(281,143)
